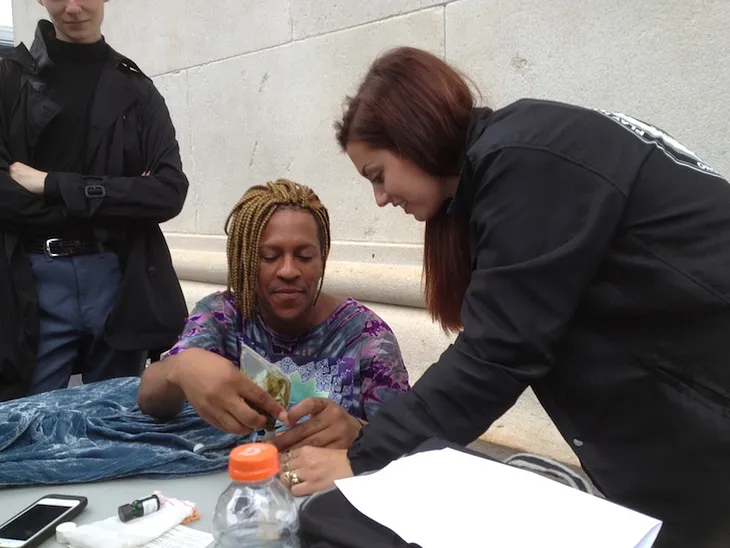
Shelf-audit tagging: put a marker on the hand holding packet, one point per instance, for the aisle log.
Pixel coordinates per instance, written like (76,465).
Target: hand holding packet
(269,377)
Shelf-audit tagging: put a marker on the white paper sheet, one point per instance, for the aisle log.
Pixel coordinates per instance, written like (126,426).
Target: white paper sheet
(446,498)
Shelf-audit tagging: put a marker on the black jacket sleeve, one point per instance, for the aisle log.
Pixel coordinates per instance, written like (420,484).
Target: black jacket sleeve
(156,197)
(18,206)
(541,226)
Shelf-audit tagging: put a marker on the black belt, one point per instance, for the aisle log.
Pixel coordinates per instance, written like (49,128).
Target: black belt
(62,247)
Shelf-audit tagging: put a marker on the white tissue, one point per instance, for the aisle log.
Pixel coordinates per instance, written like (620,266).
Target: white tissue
(112,533)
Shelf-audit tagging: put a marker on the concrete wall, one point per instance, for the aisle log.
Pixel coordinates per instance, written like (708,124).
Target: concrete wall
(255,85)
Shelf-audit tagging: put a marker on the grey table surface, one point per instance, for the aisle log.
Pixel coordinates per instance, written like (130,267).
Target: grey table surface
(106,497)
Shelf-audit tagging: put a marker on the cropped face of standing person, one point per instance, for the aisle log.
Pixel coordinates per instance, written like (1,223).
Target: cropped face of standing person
(77,21)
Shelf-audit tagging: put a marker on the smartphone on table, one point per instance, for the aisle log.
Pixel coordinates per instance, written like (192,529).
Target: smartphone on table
(38,521)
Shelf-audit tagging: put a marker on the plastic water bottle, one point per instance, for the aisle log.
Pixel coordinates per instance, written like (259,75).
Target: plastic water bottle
(256,509)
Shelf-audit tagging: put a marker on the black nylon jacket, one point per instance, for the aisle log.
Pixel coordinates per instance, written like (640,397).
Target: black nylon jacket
(601,278)
(130,132)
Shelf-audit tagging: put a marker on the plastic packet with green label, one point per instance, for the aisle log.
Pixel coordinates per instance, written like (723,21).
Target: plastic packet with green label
(269,377)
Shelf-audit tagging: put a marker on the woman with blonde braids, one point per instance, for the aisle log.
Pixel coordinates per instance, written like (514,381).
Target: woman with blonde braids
(342,359)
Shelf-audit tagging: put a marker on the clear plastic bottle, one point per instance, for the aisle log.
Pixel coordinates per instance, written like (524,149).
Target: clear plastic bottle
(256,510)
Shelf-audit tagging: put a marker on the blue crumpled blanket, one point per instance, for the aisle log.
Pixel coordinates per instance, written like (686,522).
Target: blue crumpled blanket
(96,432)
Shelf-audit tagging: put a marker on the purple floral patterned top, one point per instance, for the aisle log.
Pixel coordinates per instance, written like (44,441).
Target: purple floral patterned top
(352,357)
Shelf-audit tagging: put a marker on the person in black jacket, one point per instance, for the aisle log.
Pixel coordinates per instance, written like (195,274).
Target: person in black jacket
(89,167)
(581,252)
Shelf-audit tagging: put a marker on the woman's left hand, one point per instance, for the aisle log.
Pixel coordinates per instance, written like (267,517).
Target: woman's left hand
(310,469)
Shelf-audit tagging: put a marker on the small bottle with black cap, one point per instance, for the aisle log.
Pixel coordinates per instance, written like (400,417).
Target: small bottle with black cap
(139,508)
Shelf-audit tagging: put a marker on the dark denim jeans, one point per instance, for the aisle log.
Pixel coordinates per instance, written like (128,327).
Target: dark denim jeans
(76,295)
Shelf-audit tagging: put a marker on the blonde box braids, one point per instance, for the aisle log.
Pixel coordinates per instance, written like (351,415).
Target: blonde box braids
(246,224)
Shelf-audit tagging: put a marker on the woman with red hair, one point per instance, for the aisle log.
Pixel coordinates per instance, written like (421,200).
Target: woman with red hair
(581,252)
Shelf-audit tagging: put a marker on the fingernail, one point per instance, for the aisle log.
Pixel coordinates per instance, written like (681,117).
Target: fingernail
(283,418)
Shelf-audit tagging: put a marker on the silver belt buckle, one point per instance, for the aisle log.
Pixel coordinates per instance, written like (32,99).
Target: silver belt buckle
(47,248)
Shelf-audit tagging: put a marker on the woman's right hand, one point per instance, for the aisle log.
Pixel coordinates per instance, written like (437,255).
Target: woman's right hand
(219,392)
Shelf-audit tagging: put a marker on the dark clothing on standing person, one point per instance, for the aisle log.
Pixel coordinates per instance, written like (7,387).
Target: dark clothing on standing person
(89,117)
(75,293)
(72,80)
(601,278)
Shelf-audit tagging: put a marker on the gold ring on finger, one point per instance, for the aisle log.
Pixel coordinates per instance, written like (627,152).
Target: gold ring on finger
(295,479)
(291,478)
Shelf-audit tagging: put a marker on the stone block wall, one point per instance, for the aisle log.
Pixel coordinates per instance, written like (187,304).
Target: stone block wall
(254,87)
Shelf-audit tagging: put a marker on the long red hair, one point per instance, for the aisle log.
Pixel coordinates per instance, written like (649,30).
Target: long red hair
(416,105)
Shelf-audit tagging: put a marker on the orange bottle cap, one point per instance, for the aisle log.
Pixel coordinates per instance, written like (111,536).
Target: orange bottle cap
(253,462)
